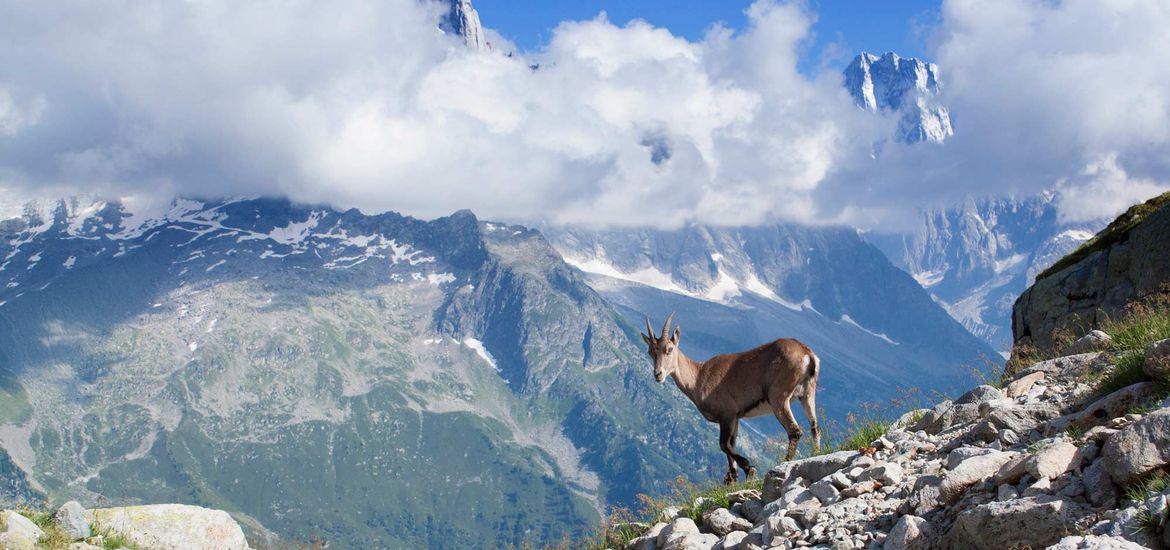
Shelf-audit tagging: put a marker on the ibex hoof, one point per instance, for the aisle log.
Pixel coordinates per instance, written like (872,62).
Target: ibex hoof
(751,472)
(730,478)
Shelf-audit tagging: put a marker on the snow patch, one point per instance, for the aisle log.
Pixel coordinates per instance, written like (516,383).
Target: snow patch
(927,279)
(481,351)
(849,320)
(440,278)
(215,265)
(724,289)
(648,276)
(69,262)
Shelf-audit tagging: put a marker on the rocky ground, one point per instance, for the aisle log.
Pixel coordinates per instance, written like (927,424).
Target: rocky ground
(159,526)
(1044,461)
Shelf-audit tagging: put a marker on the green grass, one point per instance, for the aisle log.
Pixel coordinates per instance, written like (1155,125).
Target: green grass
(1140,491)
(1141,325)
(616,531)
(1115,232)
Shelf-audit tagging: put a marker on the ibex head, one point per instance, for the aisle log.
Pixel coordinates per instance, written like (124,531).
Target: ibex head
(663,350)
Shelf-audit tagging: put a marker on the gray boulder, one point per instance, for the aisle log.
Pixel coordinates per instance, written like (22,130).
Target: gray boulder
(1033,522)
(1019,419)
(889,473)
(1138,449)
(1157,364)
(731,541)
(910,533)
(1070,366)
(1095,542)
(677,526)
(691,541)
(1095,340)
(70,517)
(18,532)
(812,469)
(721,521)
(1099,487)
(172,526)
(1053,460)
(1021,385)
(980,394)
(971,471)
(1104,409)
(825,490)
(648,540)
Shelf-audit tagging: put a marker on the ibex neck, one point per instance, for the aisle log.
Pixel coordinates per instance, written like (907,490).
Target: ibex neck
(686,376)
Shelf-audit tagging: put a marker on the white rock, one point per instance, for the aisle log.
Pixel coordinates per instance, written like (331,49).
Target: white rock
(910,533)
(19,532)
(731,541)
(825,491)
(1138,449)
(1094,542)
(971,471)
(691,541)
(1053,460)
(721,521)
(172,526)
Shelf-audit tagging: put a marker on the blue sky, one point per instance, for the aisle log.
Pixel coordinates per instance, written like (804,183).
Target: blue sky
(843,27)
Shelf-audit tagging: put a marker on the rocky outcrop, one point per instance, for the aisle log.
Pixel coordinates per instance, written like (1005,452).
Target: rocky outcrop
(152,527)
(1041,465)
(172,526)
(1124,263)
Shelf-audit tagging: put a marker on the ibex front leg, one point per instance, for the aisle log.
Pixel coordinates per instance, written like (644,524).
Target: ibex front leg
(726,432)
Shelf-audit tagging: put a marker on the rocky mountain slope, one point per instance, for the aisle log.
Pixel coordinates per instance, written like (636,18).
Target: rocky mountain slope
(732,288)
(906,87)
(976,258)
(1068,452)
(1125,263)
(1041,463)
(297,365)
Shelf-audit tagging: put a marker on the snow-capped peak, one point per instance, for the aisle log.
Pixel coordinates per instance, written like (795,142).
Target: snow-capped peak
(890,83)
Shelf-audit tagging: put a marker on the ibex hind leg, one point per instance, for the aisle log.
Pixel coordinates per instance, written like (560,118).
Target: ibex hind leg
(783,412)
(809,402)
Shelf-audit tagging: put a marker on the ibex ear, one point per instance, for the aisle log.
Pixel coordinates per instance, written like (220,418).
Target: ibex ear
(677,335)
(645,338)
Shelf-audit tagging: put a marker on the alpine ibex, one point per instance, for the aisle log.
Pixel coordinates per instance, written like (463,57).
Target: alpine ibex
(728,387)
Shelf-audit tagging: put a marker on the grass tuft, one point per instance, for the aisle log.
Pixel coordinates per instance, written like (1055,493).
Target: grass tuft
(1142,324)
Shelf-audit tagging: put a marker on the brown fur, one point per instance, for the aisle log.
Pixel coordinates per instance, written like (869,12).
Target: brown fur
(731,386)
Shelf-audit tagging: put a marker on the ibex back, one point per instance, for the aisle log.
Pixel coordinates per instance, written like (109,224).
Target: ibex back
(728,387)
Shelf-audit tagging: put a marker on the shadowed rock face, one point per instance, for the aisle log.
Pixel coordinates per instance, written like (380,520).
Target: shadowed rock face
(1133,265)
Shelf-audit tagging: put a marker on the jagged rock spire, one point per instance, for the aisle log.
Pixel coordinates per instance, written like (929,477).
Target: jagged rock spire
(462,20)
(905,85)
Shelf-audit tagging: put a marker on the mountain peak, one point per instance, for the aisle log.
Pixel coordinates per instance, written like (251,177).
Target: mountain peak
(462,20)
(900,84)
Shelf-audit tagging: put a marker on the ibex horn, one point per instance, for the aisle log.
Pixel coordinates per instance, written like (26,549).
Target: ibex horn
(666,326)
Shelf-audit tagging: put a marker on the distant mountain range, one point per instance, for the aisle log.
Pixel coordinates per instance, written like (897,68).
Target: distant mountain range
(976,258)
(875,328)
(372,381)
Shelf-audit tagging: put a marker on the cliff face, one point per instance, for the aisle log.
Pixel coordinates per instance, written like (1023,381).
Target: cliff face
(1127,261)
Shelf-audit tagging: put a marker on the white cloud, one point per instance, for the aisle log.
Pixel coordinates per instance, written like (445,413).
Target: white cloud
(365,103)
